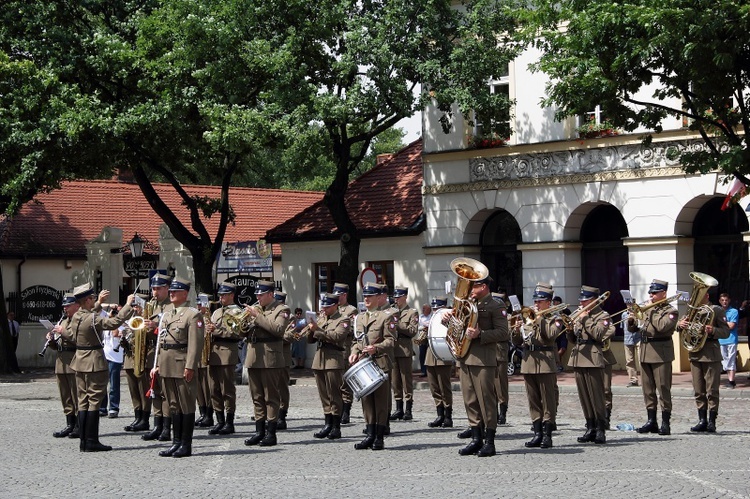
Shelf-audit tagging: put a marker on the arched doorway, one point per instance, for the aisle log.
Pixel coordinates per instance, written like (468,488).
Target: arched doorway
(499,239)
(720,251)
(604,258)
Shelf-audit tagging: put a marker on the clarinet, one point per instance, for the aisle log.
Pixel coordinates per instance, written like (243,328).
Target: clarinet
(46,344)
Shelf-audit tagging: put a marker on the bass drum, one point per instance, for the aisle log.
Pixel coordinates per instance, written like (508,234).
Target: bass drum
(364,377)
(436,337)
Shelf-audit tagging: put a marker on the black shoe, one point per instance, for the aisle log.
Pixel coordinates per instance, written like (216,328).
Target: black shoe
(166,432)
(326,430)
(407,411)
(368,440)
(260,433)
(590,434)
(399,412)
(336,430)
(220,422)
(488,449)
(270,439)
(281,421)
(502,413)
(70,420)
(176,422)
(665,429)
(137,420)
(546,435)
(651,425)
(345,413)
(142,425)
(601,432)
(228,428)
(208,420)
(158,428)
(475,444)
(448,423)
(202,412)
(702,422)
(711,426)
(378,443)
(466,433)
(536,440)
(440,418)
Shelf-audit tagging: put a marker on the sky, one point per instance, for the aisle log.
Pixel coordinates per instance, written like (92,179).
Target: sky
(412,126)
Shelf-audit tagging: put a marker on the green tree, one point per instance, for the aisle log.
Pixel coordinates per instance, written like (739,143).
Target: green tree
(644,60)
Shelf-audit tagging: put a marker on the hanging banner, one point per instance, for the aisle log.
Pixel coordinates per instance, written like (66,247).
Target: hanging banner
(248,256)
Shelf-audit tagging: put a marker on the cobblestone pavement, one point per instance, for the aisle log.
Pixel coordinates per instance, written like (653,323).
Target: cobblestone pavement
(418,461)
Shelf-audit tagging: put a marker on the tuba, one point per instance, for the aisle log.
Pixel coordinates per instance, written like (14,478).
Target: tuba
(693,337)
(137,341)
(464,313)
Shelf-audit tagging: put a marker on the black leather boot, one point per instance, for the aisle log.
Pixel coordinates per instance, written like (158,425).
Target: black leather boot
(609,416)
(502,413)
(142,425)
(70,423)
(281,422)
(186,442)
(378,443)
(158,428)
(228,428)
(440,418)
(208,419)
(601,432)
(368,440)
(220,422)
(92,434)
(466,433)
(323,433)
(76,431)
(166,432)
(536,440)
(546,435)
(590,432)
(270,439)
(202,412)
(407,411)
(336,427)
(448,423)
(345,413)
(702,423)
(488,449)
(711,426)
(138,417)
(475,444)
(176,423)
(399,412)
(260,433)
(651,425)
(665,429)
(82,416)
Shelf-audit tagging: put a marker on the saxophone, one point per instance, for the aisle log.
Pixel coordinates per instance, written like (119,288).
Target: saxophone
(137,341)
(207,345)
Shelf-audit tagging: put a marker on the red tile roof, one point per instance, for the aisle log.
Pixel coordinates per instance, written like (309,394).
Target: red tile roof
(62,221)
(385,201)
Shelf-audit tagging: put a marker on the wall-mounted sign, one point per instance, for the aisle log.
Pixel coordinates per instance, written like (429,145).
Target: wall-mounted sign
(41,302)
(248,256)
(139,267)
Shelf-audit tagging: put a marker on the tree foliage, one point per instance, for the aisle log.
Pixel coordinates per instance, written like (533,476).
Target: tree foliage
(644,60)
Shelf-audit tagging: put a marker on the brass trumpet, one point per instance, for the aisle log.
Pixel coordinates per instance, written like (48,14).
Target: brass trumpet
(639,311)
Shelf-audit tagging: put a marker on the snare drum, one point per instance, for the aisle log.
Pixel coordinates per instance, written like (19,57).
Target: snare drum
(436,337)
(364,377)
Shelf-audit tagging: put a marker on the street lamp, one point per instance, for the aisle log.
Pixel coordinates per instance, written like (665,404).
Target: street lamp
(136,246)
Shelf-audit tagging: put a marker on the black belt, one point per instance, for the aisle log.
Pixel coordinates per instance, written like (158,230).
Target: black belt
(99,347)
(264,340)
(581,341)
(174,346)
(539,348)
(330,346)
(646,339)
(226,340)
(66,349)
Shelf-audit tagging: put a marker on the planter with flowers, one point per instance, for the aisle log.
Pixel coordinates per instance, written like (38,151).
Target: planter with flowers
(486,141)
(593,130)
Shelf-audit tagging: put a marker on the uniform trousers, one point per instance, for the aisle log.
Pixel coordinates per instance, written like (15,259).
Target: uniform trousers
(264,389)
(608,387)
(590,385)
(657,377)
(138,386)
(376,406)
(180,395)
(346,391)
(203,391)
(441,388)
(91,389)
(706,379)
(403,386)
(631,361)
(540,391)
(329,389)
(159,403)
(223,388)
(284,388)
(66,384)
(480,399)
(501,382)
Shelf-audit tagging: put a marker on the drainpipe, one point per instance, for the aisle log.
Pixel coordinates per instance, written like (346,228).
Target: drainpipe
(18,279)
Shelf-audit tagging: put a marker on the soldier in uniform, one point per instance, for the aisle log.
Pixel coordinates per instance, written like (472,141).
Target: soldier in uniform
(539,366)
(137,385)
(158,305)
(265,361)
(479,369)
(375,338)
(501,383)
(92,372)
(288,339)
(587,334)
(656,356)
(346,310)
(439,378)
(180,347)
(705,367)
(65,375)
(223,359)
(329,333)
(609,361)
(401,375)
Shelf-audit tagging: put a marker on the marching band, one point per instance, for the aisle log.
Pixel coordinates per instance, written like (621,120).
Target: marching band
(363,355)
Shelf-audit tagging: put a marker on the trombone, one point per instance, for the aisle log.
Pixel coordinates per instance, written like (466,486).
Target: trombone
(639,311)
(570,320)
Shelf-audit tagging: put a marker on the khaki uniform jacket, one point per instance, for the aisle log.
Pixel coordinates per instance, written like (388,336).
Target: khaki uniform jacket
(377,328)
(586,342)
(406,328)
(224,353)
(87,328)
(66,350)
(659,322)
(181,326)
(540,350)
(711,351)
(351,312)
(330,339)
(158,309)
(493,325)
(265,341)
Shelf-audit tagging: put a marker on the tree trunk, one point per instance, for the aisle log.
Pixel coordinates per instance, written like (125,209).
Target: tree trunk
(348,266)
(5,342)
(204,279)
